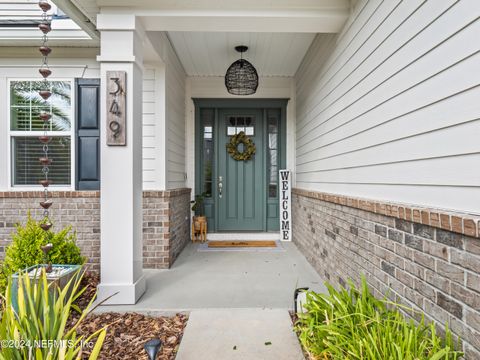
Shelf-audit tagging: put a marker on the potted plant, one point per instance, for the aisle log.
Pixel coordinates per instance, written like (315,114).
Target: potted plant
(34,250)
(60,275)
(199,220)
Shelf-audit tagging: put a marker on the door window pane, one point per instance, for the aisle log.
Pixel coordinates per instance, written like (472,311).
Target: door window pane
(207,117)
(272,157)
(237,124)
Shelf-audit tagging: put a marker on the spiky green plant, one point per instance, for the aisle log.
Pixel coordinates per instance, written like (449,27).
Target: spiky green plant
(39,329)
(353,324)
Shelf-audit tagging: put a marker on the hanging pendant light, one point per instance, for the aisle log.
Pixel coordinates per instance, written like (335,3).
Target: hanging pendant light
(241,77)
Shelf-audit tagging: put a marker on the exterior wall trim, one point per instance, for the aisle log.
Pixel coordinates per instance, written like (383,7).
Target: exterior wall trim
(241,103)
(166,193)
(462,223)
(53,194)
(89,193)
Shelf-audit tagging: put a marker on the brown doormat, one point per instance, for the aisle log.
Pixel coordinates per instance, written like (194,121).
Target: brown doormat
(227,244)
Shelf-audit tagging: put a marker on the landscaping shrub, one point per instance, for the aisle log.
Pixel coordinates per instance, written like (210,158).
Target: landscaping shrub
(39,329)
(25,249)
(353,324)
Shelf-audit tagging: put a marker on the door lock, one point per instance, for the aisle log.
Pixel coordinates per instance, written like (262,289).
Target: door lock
(220,186)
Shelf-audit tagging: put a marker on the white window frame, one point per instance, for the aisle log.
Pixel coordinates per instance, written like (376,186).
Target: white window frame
(14,133)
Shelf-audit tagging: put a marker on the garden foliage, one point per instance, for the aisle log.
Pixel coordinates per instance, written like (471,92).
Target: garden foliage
(39,329)
(25,249)
(353,324)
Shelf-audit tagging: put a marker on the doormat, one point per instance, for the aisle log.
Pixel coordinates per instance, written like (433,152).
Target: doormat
(204,247)
(241,244)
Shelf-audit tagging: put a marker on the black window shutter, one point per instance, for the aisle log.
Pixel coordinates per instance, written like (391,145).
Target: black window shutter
(87,134)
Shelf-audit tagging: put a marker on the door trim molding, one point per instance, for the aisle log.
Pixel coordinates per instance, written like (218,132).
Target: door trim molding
(240,103)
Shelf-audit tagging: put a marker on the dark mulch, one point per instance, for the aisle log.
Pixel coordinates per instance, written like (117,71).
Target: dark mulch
(306,355)
(90,281)
(127,333)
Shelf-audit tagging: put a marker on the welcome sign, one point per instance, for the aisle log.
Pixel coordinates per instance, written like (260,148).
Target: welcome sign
(285,205)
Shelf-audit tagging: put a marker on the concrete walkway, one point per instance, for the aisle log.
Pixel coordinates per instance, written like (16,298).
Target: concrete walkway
(238,301)
(247,334)
(225,279)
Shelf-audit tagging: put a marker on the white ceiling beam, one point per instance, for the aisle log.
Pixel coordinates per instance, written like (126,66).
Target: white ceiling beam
(318,21)
(224,4)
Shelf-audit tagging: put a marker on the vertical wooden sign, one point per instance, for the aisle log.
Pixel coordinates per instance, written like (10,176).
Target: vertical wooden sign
(116,108)
(285,205)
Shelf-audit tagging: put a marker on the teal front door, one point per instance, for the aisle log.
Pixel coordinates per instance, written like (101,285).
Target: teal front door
(241,193)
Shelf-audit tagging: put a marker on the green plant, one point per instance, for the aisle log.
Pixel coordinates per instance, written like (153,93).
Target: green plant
(353,324)
(197,206)
(39,329)
(25,249)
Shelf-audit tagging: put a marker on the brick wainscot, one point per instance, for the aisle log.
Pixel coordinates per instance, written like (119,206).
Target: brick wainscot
(166,225)
(423,258)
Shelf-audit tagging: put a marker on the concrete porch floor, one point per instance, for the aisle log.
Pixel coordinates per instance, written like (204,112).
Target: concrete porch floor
(225,279)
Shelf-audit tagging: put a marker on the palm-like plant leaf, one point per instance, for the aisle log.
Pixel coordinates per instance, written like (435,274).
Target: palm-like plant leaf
(26,93)
(43,312)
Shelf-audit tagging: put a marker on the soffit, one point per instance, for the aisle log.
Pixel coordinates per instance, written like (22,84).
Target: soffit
(211,53)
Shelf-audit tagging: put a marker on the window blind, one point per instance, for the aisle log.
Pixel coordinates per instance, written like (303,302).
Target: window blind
(27,170)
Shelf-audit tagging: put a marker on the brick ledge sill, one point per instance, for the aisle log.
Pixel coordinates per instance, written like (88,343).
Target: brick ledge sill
(90,193)
(462,223)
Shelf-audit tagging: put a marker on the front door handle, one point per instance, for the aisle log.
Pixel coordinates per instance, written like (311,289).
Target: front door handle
(220,186)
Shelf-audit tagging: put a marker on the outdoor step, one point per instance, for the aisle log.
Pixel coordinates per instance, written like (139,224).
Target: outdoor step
(247,334)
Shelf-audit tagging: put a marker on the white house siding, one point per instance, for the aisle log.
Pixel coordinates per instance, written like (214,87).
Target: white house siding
(24,10)
(389,109)
(150,124)
(175,118)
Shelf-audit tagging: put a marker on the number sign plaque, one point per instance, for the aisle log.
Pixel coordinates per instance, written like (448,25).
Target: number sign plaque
(116,105)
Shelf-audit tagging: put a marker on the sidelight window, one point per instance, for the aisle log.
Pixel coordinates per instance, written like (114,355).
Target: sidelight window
(208,117)
(272,157)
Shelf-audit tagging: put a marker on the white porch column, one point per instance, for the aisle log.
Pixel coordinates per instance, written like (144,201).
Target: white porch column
(121,166)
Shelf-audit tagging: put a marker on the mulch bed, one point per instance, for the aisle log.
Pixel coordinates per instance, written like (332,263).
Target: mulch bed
(128,332)
(306,355)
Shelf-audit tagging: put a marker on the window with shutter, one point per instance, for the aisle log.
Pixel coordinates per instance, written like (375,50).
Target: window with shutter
(26,126)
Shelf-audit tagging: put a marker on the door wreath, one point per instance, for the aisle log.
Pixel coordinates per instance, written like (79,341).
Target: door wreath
(248,150)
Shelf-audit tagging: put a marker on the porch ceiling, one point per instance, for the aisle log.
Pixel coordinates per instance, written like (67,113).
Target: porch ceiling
(210,53)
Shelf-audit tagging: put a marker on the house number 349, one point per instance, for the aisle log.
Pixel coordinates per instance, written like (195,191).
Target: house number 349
(116,103)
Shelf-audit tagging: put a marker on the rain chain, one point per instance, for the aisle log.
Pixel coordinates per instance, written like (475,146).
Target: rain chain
(45,116)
